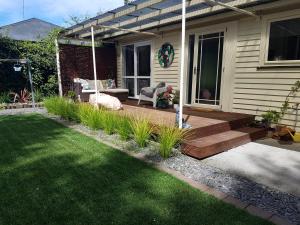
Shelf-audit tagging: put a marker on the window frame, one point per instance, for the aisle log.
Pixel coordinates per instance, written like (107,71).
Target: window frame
(265,38)
(135,76)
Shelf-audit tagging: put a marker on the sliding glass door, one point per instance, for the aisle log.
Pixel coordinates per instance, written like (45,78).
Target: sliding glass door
(136,68)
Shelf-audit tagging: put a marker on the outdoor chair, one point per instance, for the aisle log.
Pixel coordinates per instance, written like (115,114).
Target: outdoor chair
(150,93)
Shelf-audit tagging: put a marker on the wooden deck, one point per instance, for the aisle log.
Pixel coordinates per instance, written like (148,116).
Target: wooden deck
(212,132)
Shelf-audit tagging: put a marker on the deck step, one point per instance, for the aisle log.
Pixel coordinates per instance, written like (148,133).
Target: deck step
(204,147)
(254,133)
(220,127)
(208,130)
(211,145)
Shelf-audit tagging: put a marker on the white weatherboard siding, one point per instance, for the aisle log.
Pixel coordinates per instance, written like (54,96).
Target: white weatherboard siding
(256,91)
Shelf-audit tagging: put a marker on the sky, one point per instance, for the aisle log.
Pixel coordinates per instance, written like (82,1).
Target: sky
(54,11)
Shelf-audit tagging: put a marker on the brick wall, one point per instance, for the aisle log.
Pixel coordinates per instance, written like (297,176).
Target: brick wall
(77,61)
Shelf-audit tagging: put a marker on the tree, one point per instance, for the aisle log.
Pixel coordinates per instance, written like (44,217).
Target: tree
(74,20)
(42,55)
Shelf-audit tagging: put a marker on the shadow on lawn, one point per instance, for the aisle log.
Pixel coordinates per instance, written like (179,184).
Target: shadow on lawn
(53,175)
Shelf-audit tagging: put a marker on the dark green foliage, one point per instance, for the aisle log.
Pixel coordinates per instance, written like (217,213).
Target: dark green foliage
(5,97)
(9,79)
(52,175)
(43,61)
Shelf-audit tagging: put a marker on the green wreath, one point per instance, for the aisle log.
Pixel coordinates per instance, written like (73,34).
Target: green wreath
(166,55)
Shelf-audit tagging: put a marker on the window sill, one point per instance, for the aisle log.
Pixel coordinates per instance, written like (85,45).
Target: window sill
(270,67)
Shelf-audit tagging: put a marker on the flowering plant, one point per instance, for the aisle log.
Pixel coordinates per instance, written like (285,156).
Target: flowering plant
(164,97)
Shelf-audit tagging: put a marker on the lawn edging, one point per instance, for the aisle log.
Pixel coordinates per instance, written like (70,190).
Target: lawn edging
(251,209)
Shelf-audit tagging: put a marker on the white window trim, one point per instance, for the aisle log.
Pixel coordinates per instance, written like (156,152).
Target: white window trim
(136,44)
(265,37)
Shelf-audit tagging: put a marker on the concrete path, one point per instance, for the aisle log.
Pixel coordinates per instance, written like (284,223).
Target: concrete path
(271,166)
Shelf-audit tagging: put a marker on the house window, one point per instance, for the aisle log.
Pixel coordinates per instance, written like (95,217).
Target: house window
(284,40)
(136,67)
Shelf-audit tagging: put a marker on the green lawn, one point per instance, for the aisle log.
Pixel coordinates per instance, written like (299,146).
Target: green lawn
(50,174)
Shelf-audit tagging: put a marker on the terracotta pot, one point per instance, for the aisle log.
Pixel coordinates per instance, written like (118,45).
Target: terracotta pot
(279,127)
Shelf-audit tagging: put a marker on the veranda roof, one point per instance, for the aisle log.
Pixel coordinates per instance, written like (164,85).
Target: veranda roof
(142,15)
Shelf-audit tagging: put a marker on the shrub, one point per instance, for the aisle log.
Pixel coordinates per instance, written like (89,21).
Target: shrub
(38,95)
(23,97)
(62,107)
(142,130)
(71,95)
(91,116)
(124,127)
(168,137)
(51,105)
(5,97)
(109,121)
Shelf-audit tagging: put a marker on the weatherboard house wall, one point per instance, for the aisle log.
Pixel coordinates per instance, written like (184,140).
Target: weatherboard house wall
(256,89)
(249,87)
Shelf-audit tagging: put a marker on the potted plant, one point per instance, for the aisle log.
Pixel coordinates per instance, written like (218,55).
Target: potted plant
(269,118)
(164,97)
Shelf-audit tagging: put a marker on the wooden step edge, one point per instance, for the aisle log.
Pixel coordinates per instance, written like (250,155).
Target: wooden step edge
(254,133)
(214,149)
(201,132)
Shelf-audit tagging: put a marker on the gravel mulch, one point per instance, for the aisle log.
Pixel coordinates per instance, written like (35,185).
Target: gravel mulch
(22,111)
(284,205)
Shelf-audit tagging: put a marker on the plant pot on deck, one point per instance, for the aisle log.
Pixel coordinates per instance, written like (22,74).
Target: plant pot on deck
(163,104)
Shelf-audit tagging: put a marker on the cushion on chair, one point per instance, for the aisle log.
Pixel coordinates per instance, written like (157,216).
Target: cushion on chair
(90,85)
(104,84)
(111,84)
(160,85)
(148,91)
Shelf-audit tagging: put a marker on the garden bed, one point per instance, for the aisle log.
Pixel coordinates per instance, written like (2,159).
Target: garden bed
(128,127)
